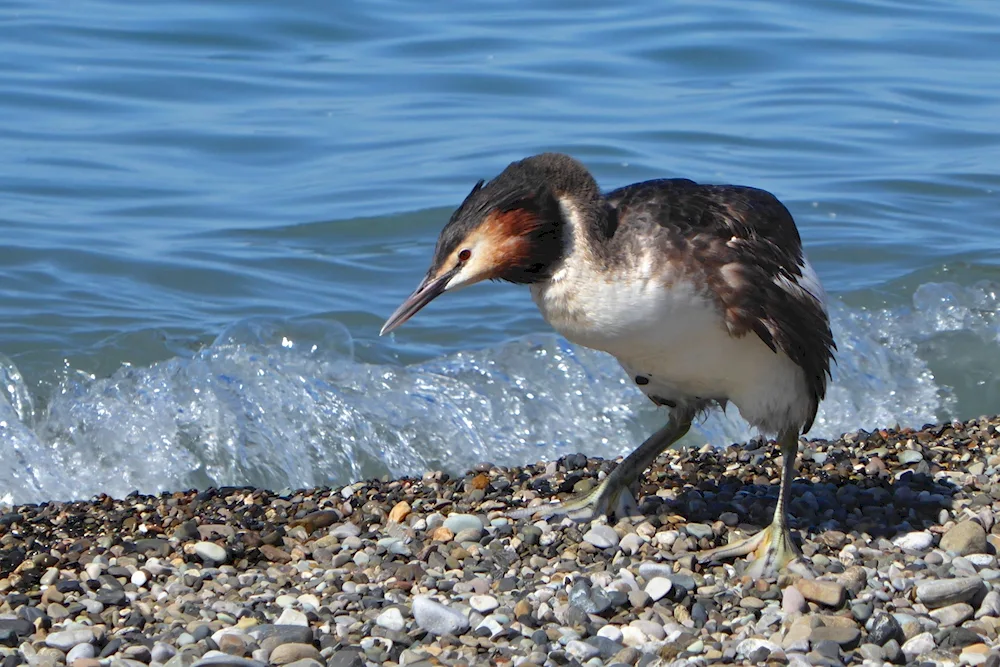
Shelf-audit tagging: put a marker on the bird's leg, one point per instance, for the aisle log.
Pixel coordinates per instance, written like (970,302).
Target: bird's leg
(612,496)
(772,547)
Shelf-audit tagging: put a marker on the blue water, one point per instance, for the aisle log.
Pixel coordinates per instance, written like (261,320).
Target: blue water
(208,210)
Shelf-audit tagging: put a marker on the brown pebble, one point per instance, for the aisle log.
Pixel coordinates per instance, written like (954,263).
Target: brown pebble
(966,537)
(854,578)
(848,638)
(231,644)
(86,662)
(442,534)
(399,511)
(829,593)
(479,482)
(274,554)
(316,520)
(289,653)
(833,539)
(52,595)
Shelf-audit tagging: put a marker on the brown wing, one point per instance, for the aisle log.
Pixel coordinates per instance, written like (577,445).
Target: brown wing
(745,244)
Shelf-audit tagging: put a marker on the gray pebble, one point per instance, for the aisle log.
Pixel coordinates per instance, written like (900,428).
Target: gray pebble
(162,652)
(953,614)
(941,592)
(217,659)
(67,639)
(698,530)
(892,652)
(456,523)
(990,606)
(288,634)
(345,530)
(872,652)
(884,627)
(80,652)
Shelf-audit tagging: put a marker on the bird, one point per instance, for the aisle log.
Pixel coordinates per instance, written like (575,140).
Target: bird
(702,293)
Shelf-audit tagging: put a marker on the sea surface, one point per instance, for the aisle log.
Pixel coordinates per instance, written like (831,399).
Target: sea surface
(207,210)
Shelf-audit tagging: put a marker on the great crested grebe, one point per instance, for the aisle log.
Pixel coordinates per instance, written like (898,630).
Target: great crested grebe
(702,293)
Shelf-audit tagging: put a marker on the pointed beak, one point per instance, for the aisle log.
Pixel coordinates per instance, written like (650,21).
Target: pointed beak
(429,290)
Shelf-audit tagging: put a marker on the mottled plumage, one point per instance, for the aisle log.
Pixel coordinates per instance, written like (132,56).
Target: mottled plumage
(743,244)
(702,293)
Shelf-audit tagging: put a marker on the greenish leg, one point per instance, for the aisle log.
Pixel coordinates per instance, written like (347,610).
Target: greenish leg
(612,496)
(772,547)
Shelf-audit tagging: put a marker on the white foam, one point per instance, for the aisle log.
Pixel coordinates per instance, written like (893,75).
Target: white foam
(284,404)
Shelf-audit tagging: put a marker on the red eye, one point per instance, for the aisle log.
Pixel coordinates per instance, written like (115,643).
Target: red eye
(464,255)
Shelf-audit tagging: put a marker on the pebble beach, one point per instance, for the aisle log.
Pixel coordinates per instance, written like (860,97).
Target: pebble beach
(898,525)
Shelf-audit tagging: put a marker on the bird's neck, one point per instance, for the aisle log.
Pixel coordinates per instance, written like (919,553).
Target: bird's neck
(587,226)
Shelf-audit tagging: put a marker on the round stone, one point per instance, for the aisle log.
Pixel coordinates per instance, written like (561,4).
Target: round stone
(920,540)
(456,523)
(966,537)
(484,604)
(391,619)
(289,653)
(84,651)
(698,530)
(210,553)
(918,646)
(602,536)
(437,619)
(292,617)
(64,640)
(942,592)
(658,587)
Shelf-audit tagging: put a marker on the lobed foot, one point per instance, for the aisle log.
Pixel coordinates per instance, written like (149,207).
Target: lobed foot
(609,498)
(773,552)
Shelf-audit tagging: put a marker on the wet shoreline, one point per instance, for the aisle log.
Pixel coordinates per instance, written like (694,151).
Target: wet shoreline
(898,525)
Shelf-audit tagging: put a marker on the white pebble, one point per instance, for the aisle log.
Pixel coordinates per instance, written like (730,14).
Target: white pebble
(438,619)
(456,523)
(66,639)
(292,617)
(210,553)
(391,619)
(918,646)
(612,632)
(484,604)
(630,544)
(602,536)
(309,602)
(919,540)
(582,651)
(658,587)
(634,637)
(80,652)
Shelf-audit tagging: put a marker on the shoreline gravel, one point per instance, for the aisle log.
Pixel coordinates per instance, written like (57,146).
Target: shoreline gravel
(900,526)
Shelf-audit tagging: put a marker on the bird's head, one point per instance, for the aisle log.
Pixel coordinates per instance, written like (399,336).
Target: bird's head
(508,229)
